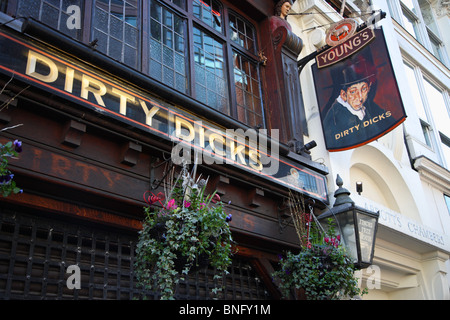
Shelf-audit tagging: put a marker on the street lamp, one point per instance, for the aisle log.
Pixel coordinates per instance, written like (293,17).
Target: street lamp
(357,226)
(359,187)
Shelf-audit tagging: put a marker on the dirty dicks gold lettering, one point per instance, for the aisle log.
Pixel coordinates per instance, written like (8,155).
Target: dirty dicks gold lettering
(364,124)
(103,92)
(89,84)
(87,87)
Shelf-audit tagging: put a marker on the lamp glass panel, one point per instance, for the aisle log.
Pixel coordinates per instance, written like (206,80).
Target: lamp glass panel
(366,230)
(346,227)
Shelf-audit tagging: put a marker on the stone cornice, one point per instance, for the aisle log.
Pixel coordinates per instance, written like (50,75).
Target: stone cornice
(433,173)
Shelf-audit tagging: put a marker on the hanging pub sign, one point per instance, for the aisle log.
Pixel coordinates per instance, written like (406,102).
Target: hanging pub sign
(87,87)
(358,97)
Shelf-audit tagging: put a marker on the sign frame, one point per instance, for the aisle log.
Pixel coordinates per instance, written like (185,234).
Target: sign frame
(380,111)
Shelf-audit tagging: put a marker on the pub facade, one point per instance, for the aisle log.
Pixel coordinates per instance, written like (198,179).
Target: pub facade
(100,92)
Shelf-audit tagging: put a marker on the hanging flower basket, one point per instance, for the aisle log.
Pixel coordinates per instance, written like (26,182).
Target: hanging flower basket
(322,269)
(158,232)
(189,230)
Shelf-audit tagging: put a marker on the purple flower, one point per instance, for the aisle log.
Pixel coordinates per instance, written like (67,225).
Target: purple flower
(6,179)
(18,146)
(187,204)
(229,218)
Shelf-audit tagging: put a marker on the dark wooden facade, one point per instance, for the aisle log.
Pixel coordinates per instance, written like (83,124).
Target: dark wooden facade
(84,175)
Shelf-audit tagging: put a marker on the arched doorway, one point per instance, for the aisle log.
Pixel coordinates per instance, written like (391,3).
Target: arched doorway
(383,181)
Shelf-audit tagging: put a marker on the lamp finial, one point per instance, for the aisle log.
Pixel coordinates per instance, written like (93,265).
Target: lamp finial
(342,195)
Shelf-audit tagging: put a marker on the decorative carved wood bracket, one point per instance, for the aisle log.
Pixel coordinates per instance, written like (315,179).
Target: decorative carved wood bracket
(254,197)
(73,133)
(220,183)
(131,153)
(285,38)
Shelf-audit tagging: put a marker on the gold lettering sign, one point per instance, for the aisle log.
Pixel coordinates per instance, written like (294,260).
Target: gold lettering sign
(88,87)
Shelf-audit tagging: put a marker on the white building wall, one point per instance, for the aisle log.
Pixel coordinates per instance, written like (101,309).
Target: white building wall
(413,242)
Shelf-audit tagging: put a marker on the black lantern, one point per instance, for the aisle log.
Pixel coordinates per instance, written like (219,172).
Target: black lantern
(357,226)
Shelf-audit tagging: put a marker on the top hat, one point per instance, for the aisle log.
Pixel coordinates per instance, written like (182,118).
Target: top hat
(360,70)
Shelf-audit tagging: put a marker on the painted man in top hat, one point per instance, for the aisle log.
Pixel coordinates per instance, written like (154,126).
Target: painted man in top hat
(354,118)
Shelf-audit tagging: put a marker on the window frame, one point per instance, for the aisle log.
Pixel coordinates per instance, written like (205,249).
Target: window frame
(186,12)
(224,37)
(434,39)
(423,34)
(145,55)
(112,37)
(447,202)
(230,46)
(413,19)
(439,140)
(427,133)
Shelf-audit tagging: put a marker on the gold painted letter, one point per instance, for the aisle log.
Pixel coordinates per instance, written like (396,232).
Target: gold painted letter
(149,114)
(123,99)
(178,123)
(98,92)
(33,58)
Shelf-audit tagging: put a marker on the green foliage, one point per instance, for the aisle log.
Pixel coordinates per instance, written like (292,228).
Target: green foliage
(7,184)
(323,271)
(190,226)
(322,268)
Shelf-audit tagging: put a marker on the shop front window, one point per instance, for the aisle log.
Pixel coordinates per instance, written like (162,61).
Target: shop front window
(167,47)
(52,12)
(200,48)
(116,28)
(248,96)
(210,81)
(209,12)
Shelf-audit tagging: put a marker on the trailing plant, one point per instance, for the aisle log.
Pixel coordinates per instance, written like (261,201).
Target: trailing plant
(182,230)
(322,267)
(7,151)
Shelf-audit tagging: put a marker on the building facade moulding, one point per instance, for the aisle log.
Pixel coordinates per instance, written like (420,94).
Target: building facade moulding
(432,173)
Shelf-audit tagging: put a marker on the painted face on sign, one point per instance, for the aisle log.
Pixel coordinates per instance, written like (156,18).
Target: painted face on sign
(356,95)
